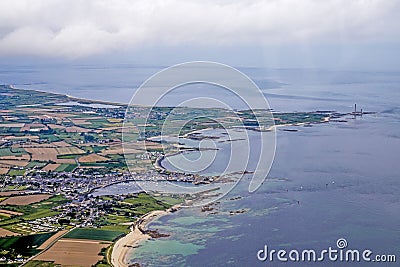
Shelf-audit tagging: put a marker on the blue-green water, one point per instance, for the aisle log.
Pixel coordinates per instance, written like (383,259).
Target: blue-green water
(338,180)
(329,181)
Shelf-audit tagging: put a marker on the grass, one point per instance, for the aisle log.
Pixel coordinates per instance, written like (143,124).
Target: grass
(68,156)
(24,244)
(9,151)
(142,204)
(96,124)
(38,164)
(65,167)
(141,199)
(116,227)
(14,187)
(32,211)
(97,149)
(40,264)
(171,200)
(16,172)
(94,234)
(49,137)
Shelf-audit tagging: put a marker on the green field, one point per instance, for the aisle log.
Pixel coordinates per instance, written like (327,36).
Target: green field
(14,187)
(171,200)
(146,201)
(94,234)
(24,244)
(9,151)
(68,156)
(38,164)
(40,264)
(16,172)
(133,207)
(65,167)
(32,211)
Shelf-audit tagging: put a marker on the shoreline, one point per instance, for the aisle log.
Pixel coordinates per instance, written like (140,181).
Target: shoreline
(70,97)
(136,235)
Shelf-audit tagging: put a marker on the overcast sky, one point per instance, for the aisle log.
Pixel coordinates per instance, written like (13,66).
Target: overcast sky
(277,32)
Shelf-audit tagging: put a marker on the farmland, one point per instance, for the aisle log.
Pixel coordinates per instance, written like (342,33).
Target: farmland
(74,252)
(56,150)
(30,212)
(48,133)
(37,263)
(44,129)
(24,200)
(93,234)
(24,245)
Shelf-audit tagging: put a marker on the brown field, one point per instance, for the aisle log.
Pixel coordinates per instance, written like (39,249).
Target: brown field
(74,252)
(30,137)
(112,128)
(60,144)
(52,239)
(76,129)
(53,113)
(46,153)
(10,212)
(42,153)
(4,233)
(29,126)
(93,118)
(24,200)
(80,121)
(16,125)
(114,120)
(20,157)
(32,110)
(118,150)
(4,170)
(153,145)
(56,126)
(92,158)
(33,145)
(51,167)
(69,150)
(19,163)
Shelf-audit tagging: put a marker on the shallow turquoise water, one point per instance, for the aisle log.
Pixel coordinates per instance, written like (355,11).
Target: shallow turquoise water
(337,180)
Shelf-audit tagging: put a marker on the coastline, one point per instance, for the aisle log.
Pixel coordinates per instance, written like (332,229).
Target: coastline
(137,234)
(70,97)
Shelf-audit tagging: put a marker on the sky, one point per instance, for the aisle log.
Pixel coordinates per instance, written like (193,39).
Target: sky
(276,33)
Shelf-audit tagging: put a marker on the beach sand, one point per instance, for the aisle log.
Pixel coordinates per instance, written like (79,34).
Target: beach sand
(128,242)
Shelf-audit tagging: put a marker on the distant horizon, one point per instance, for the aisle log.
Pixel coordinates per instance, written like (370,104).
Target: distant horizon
(331,34)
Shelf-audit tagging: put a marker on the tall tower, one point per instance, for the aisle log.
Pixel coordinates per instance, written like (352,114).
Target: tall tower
(355,108)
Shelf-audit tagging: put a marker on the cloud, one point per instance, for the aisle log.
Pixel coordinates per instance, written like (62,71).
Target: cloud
(86,27)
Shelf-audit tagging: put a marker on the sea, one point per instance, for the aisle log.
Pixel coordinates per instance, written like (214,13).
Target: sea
(331,186)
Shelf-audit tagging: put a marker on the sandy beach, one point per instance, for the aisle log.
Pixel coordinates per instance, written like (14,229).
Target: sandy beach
(126,243)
